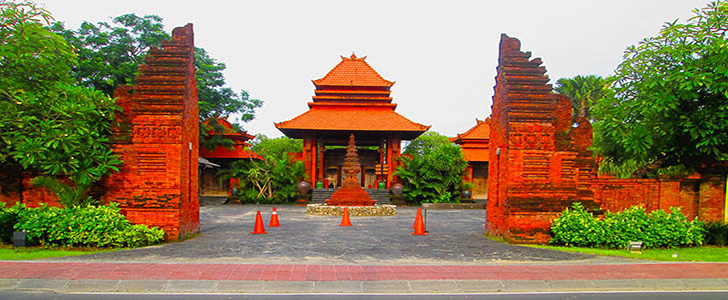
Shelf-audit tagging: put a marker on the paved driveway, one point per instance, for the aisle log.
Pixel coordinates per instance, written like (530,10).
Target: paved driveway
(456,237)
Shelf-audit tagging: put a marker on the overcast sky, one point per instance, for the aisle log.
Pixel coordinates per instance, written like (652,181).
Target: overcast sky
(442,54)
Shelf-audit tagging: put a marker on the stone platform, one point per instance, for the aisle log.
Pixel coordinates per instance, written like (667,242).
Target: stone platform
(354,211)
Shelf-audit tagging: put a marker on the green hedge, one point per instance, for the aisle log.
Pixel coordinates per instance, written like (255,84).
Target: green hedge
(578,228)
(87,226)
(717,233)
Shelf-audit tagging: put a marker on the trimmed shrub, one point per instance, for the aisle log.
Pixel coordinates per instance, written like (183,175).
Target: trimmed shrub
(579,228)
(717,233)
(87,226)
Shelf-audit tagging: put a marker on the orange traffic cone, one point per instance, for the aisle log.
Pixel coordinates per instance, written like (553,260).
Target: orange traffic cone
(419,225)
(274,219)
(345,219)
(259,228)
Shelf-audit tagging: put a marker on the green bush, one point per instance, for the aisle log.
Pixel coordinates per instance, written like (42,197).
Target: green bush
(87,226)
(432,170)
(717,233)
(579,228)
(8,218)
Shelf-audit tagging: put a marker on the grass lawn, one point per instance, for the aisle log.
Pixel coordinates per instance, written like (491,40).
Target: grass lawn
(29,253)
(705,253)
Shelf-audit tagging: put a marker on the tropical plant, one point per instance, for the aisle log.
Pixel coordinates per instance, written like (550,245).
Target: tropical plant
(271,180)
(68,196)
(670,110)
(48,123)
(584,92)
(432,169)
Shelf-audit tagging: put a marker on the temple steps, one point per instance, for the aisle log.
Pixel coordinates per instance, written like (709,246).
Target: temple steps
(379,195)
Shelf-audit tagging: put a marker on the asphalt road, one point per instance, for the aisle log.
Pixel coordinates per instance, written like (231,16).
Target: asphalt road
(535,296)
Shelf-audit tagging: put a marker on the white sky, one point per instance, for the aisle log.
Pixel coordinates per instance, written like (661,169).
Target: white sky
(442,54)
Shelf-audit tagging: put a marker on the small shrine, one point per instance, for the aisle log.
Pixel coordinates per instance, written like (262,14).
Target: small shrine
(475,146)
(351,193)
(351,99)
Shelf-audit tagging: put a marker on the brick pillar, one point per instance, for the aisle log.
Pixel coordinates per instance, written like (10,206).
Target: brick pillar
(712,199)
(533,167)
(157,138)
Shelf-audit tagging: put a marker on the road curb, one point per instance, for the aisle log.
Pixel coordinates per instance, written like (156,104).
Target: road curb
(86,286)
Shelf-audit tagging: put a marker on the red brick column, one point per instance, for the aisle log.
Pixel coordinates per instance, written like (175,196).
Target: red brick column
(158,141)
(712,201)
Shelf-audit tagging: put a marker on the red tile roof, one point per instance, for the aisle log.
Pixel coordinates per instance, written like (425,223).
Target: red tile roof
(476,154)
(353,71)
(475,142)
(481,131)
(237,152)
(229,130)
(351,117)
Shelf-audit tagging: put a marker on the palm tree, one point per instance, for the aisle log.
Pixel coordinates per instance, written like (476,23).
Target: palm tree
(68,195)
(583,91)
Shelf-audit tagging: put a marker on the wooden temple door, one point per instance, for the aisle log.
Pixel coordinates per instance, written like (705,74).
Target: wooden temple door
(480,180)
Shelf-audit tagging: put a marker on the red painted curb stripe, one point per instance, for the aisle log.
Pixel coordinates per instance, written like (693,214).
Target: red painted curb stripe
(158,271)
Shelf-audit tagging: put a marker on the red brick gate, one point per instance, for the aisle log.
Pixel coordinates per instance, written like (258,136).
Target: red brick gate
(540,164)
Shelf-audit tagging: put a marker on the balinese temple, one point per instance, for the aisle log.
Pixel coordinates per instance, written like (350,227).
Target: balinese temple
(351,99)
(211,161)
(475,146)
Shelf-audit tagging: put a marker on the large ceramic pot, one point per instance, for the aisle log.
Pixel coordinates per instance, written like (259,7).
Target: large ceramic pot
(397,189)
(303,187)
(465,194)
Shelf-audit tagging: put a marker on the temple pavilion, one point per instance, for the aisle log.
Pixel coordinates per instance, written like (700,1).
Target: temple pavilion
(475,144)
(222,156)
(351,99)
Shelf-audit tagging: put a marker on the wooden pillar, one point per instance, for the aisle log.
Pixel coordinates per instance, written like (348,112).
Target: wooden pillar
(321,169)
(309,158)
(389,162)
(313,161)
(393,144)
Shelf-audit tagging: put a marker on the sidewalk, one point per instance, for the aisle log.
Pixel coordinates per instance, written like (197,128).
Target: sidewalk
(103,277)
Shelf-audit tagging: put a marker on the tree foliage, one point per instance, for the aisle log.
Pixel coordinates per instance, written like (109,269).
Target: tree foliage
(47,122)
(434,172)
(112,52)
(670,110)
(584,92)
(268,147)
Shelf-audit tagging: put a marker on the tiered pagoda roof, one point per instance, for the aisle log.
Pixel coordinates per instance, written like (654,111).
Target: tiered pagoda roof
(352,97)
(475,142)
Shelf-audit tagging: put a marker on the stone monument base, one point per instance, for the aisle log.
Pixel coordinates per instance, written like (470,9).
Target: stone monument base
(354,211)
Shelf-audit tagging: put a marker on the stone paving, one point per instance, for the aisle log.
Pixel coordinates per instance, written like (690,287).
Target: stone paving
(378,255)
(455,237)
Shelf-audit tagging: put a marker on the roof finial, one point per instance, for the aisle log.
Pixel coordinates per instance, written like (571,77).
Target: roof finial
(353,56)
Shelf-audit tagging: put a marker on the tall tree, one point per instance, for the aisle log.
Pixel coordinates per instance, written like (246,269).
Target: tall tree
(48,123)
(111,53)
(670,111)
(584,92)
